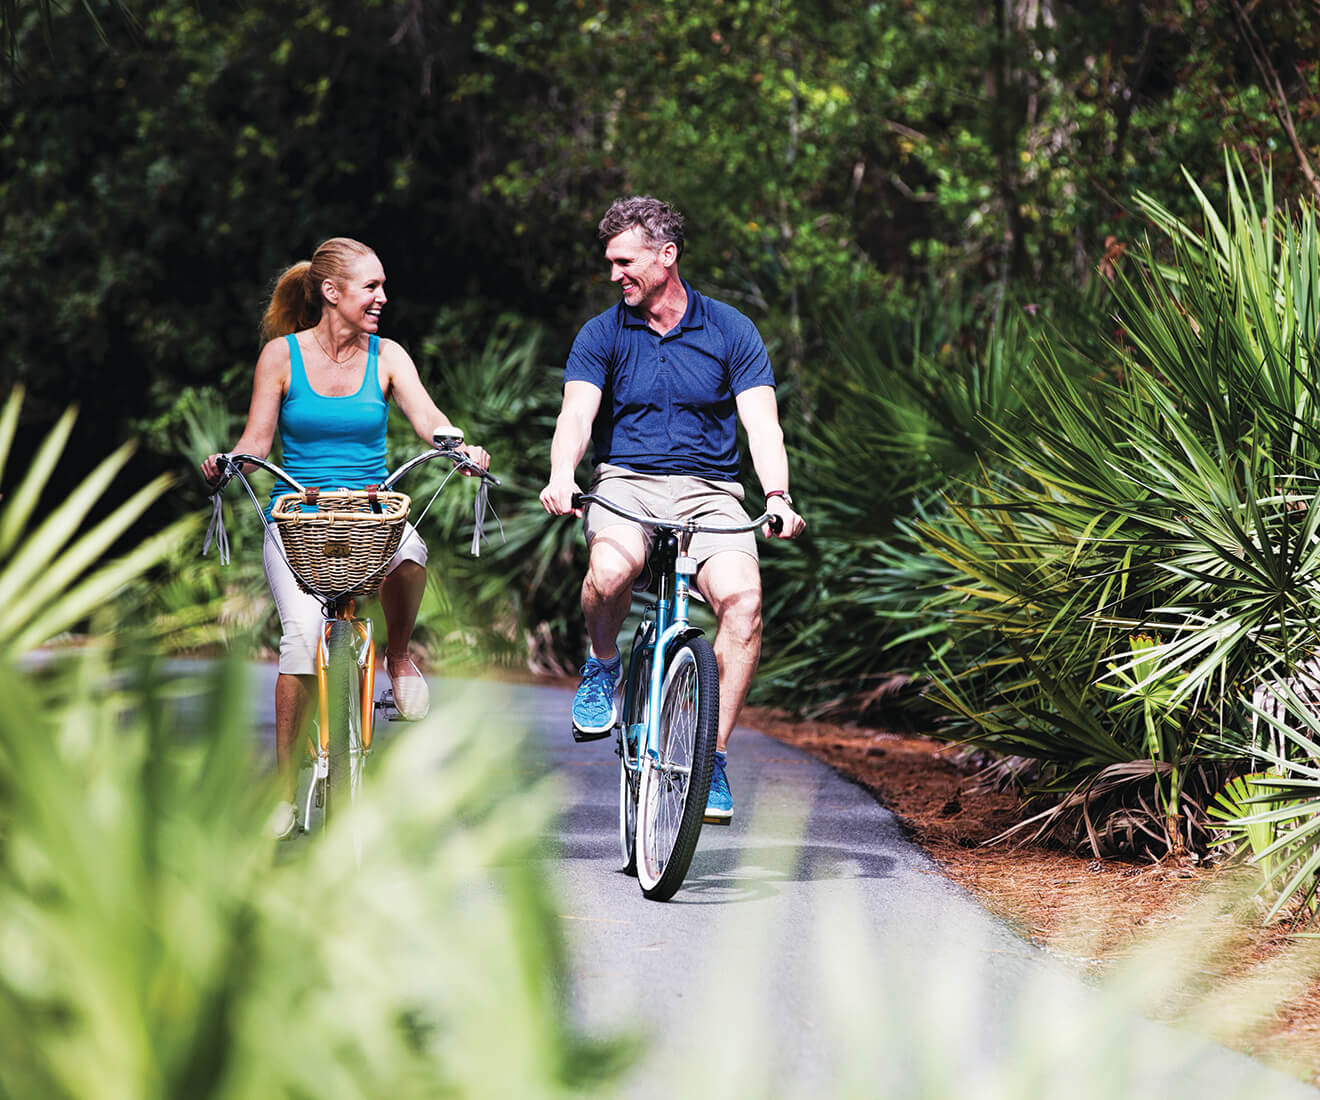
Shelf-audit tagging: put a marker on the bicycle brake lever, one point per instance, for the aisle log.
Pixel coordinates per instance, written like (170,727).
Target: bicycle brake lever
(227,469)
(462,462)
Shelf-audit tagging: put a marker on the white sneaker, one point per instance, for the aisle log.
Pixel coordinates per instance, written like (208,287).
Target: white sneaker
(412,698)
(283,821)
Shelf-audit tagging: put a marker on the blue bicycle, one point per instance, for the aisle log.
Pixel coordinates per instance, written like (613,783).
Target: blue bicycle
(670,714)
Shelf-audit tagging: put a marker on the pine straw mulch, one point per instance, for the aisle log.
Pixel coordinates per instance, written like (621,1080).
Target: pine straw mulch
(1096,913)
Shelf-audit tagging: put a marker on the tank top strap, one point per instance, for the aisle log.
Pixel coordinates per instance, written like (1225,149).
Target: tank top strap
(373,358)
(297,372)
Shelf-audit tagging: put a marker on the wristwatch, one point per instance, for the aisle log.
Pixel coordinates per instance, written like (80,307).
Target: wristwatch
(780,493)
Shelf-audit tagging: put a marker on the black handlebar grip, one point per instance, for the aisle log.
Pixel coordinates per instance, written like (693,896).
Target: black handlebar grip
(224,473)
(776,524)
(576,500)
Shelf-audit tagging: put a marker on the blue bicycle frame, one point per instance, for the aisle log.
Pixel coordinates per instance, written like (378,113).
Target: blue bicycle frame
(670,610)
(669,622)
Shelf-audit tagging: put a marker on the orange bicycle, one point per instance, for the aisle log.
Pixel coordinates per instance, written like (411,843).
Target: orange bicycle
(338,543)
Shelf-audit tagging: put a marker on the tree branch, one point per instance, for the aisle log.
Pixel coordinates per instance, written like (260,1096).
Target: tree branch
(1274,86)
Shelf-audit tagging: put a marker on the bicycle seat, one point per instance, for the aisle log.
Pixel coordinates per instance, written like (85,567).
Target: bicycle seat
(648,582)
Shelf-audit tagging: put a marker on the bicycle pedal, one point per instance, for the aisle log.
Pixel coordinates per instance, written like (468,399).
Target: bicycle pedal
(717,820)
(386,703)
(581,737)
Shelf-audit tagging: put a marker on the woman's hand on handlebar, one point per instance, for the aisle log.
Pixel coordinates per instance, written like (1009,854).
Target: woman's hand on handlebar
(791,524)
(212,469)
(477,456)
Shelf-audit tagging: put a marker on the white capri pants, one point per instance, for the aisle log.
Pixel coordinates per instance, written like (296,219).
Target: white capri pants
(300,612)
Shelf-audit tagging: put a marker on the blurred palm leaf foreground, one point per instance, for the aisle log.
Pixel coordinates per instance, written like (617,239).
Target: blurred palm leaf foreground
(151,942)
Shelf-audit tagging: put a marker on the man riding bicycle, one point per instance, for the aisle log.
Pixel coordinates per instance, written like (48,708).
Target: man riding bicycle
(658,384)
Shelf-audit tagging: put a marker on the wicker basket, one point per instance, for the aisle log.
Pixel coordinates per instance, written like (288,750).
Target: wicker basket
(341,547)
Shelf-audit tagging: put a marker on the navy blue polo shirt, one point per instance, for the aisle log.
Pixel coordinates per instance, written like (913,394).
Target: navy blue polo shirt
(667,402)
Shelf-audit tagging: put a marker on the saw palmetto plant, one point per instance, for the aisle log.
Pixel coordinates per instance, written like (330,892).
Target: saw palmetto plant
(1143,551)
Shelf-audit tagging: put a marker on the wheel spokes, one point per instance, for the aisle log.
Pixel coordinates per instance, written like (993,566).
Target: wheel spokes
(674,766)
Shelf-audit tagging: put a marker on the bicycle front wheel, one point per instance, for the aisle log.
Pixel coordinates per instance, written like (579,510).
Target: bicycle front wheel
(632,735)
(344,698)
(676,780)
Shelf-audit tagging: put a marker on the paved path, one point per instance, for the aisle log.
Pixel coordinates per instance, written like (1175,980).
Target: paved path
(814,951)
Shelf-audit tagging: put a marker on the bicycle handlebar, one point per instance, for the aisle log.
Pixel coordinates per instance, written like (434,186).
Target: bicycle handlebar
(447,441)
(230,464)
(776,522)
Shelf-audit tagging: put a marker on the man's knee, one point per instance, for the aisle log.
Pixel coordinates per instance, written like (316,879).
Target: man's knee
(613,565)
(732,584)
(739,615)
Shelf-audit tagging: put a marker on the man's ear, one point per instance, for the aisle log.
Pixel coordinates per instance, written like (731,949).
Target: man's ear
(668,253)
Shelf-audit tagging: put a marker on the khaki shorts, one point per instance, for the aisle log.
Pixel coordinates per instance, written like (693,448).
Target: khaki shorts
(670,496)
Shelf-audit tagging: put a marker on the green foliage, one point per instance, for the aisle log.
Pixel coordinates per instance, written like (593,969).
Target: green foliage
(152,947)
(1169,497)
(905,411)
(505,396)
(823,153)
(1272,817)
(53,572)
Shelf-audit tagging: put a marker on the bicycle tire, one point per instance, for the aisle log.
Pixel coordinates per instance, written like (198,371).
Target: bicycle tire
(638,697)
(676,782)
(345,718)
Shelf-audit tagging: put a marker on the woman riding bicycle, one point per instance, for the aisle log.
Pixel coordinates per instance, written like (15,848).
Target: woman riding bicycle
(324,380)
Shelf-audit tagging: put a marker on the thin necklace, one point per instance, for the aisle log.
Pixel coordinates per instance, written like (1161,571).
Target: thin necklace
(336,362)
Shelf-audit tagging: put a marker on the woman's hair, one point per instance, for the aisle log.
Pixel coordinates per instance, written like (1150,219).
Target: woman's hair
(659,222)
(295,302)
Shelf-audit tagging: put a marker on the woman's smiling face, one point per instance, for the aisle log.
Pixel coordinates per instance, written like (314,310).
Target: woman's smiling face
(362,293)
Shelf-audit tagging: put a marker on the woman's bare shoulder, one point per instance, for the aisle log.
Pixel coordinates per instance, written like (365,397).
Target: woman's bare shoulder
(273,362)
(395,358)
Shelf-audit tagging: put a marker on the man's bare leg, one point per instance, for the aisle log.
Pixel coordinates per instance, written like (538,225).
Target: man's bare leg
(731,582)
(617,556)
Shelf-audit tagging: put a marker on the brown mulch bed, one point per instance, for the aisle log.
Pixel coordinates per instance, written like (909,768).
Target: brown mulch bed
(1095,912)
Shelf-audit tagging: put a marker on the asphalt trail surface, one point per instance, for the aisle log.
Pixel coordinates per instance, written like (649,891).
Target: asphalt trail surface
(815,951)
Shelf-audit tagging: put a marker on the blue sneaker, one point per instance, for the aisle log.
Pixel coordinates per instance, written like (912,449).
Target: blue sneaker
(719,805)
(594,707)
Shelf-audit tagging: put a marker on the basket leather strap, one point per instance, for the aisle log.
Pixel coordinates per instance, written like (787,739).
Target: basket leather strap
(313,494)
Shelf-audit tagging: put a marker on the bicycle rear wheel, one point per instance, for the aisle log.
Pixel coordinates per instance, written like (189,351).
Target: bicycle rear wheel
(676,782)
(344,696)
(631,735)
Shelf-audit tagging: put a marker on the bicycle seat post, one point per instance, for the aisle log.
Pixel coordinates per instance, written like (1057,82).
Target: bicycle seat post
(684,565)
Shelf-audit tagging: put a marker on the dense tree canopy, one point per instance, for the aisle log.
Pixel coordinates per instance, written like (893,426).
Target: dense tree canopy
(160,164)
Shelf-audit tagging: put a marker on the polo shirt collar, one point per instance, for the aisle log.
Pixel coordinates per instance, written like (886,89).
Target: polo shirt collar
(693,317)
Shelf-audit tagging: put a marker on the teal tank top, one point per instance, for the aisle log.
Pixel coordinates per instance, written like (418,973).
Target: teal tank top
(332,442)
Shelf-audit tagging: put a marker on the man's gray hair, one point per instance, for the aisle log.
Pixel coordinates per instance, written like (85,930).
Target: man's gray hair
(659,222)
